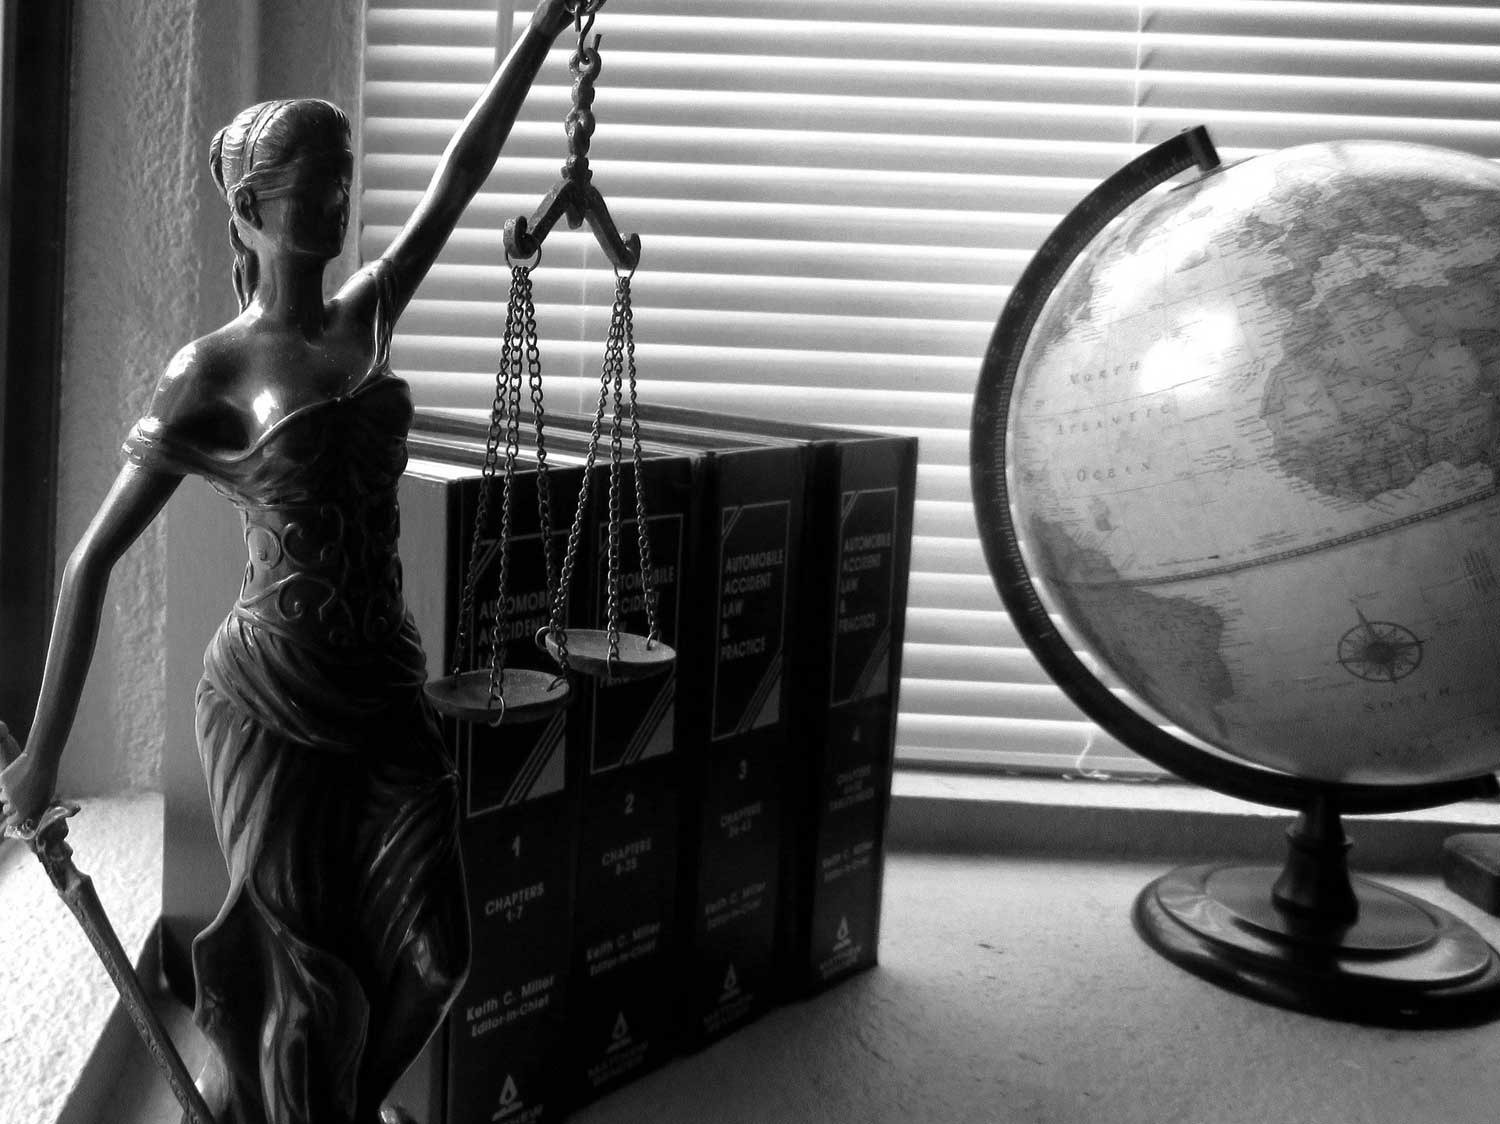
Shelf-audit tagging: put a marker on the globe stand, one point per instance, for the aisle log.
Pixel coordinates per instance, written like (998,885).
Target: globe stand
(1311,938)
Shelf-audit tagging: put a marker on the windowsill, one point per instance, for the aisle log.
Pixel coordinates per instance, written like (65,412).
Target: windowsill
(58,1010)
(1008,972)
(1170,821)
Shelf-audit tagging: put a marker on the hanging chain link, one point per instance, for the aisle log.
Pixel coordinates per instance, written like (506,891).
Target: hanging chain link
(615,361)
(617,371)
(575,532)
(642,532)
(555,631)
(486,477)
(513,361)
(504,420)
(521,360)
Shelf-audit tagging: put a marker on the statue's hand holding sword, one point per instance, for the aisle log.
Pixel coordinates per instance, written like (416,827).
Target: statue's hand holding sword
(45,832)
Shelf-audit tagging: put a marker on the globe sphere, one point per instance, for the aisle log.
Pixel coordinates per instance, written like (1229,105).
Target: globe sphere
(1253,459)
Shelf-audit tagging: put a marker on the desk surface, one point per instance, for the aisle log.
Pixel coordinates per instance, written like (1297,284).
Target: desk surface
(1016,990)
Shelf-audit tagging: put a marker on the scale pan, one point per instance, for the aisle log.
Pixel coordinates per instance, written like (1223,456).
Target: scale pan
(530,696)
(588,653)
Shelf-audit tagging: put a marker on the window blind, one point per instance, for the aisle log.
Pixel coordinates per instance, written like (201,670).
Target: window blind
(834,200)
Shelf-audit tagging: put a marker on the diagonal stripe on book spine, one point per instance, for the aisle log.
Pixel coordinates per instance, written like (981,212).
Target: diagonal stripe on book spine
(768,683)
(727,520)
(648,725)
(541,753)
(863,686)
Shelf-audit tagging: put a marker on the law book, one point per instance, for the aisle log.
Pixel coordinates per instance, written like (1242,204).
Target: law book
(625,766)
(860,502)
(630,778)
(496,1057)
(735,723)
(734,717)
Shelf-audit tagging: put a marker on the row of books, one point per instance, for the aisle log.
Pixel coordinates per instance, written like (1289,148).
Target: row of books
(667,858)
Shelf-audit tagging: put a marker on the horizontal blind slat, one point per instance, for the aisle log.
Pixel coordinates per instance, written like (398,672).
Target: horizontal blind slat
(930,374)
(997,664)
(941,591)
(830,404)
(751,183)
(1069,740)
(1327,19)
(689,217)
(473,291)
(890,346)
(1041,702)
(1081,14)
(912,116)
(1100,42)
(400,133)
(948,555)
(711,254)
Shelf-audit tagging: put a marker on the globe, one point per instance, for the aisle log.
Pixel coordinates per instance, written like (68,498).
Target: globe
(1234,458)
(1253,444)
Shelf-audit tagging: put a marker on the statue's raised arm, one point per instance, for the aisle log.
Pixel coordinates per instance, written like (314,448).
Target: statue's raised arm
(468,159)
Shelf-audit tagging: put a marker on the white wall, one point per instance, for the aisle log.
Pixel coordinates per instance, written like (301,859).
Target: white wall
(148,271)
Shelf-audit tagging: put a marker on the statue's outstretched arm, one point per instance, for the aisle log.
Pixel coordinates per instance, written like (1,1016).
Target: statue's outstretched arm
(138,494)
(469,157)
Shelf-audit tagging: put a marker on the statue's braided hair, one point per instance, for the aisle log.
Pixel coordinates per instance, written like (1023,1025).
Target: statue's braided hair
(262,150)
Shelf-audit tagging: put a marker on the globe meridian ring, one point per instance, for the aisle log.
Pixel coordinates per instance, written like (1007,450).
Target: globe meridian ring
(1391,658)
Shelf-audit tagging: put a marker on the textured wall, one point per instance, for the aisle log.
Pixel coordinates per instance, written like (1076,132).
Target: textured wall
(148,271)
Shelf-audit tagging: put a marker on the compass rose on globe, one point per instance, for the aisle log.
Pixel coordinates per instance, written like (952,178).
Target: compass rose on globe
(1379,651)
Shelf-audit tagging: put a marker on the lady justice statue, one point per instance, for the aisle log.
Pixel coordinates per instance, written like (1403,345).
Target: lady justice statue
(344,936)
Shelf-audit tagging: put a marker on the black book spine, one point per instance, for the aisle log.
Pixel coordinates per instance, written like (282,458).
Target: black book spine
(624,969)
(863,505)
(734,721)
(497,1058)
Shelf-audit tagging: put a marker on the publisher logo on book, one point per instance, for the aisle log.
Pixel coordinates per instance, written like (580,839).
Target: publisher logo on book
(841,939)
(624,1054)
(844,953)
(731,989)
(511,1107)
(619,1037)
(732,1005)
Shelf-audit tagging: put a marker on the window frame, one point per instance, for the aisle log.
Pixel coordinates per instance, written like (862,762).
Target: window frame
(37,59)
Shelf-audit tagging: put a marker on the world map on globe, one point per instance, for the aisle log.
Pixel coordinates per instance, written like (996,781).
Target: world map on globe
(1254,444)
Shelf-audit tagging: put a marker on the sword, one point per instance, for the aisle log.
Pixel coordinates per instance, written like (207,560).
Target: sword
(47,838)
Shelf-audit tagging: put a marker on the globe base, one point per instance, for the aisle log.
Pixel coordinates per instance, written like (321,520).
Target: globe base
(1398,961)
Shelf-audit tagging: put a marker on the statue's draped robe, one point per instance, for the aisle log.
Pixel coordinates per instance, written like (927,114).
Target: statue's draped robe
(335,803)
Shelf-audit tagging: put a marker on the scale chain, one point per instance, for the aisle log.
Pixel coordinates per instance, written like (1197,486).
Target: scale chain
(543,481)
(575,532)
(643,537)
(577,200)
(616,365)
(513,363)
(486,477)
